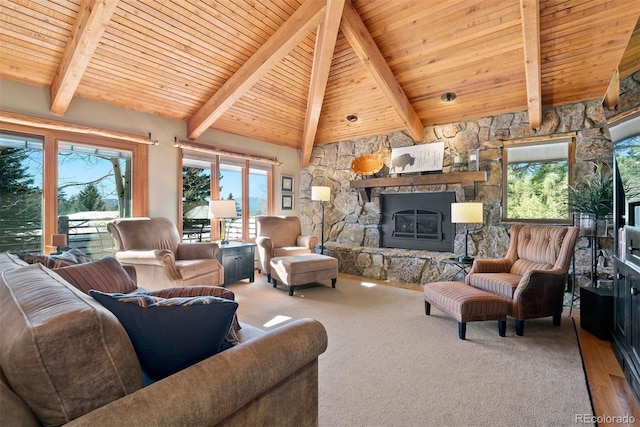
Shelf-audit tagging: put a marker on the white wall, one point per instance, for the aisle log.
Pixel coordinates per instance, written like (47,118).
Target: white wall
(163,158)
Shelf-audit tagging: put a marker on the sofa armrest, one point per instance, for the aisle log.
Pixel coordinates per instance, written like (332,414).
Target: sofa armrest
(203,250)
(243,378)
(307,242)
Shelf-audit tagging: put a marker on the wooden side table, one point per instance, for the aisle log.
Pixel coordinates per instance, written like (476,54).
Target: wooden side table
(238,260)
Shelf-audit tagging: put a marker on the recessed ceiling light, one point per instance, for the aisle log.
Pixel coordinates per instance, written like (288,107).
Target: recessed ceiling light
(448,96)
(352,118)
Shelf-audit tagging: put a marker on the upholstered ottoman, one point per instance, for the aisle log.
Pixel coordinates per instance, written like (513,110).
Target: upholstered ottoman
(466,304)
(300,269)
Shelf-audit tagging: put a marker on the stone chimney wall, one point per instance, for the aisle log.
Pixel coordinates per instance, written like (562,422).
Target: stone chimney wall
(353,227)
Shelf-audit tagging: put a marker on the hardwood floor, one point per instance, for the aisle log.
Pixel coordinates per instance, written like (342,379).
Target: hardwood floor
(610,393)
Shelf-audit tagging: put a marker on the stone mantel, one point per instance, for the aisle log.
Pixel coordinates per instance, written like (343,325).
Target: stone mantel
(465,178)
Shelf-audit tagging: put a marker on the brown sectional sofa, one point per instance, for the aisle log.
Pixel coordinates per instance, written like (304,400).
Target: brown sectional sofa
(65,359)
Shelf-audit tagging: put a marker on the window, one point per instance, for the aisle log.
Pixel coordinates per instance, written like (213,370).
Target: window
(231,188)
(55,182)
(94,187)
(21,160)
(537,177)
(258,196)
(209,177)
(196,193)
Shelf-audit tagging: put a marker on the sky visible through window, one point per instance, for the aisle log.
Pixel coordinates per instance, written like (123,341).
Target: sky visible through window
(75,171)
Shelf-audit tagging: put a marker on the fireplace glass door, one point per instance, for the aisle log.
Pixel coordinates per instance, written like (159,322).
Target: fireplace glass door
(417,224)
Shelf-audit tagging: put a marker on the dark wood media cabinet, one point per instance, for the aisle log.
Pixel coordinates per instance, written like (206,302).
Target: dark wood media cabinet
(626,284)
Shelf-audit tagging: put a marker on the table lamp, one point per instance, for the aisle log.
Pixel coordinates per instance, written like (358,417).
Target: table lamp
(466,213)
(321,194)
(60,241)
(223,210)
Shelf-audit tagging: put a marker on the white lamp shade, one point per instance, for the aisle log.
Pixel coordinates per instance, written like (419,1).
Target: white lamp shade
(321,194)
(466,213)
(222,209)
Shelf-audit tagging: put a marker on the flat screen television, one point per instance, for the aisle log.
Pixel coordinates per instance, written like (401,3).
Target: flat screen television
(627,157)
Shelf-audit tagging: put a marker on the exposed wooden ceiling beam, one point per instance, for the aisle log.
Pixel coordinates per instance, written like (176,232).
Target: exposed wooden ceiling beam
(530,13)
(612,97)
(365,47)
(299,25)
(325,45)
(91,22)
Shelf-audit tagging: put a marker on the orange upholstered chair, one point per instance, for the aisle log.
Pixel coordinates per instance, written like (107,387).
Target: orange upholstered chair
(532,275)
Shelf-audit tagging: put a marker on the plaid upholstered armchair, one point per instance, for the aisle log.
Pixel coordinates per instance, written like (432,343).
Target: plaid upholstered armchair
(532,275)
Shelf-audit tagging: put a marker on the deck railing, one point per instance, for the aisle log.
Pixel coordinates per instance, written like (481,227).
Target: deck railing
(90,234)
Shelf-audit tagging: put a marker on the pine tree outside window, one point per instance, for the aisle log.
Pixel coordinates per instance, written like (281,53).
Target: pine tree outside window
(536,181)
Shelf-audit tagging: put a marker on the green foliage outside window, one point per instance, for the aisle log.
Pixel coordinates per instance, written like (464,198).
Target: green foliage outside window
(196,187)
(20,201)
(537,190)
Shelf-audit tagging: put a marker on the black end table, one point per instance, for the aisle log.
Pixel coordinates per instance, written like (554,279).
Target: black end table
(238,260)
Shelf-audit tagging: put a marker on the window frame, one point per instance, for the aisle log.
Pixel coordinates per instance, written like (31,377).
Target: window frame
(538,141)
(215,160)
(140,166)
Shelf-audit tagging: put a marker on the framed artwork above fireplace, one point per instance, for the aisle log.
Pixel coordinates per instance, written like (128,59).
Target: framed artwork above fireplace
(417,158)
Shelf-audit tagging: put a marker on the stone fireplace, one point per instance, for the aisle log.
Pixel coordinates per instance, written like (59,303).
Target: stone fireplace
(353,224)
(420,220)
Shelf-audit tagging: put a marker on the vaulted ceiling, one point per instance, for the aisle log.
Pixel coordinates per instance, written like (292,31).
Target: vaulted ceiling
(290,72)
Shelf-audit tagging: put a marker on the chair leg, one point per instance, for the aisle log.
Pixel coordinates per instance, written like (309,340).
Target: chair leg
(275,283)
(462,330)
(502,327)
(268,277)
(557,318)
(427,308)
(290,291)
(519,327)
(333,282)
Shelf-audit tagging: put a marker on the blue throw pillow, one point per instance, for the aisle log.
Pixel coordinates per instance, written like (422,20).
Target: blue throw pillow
(170,334)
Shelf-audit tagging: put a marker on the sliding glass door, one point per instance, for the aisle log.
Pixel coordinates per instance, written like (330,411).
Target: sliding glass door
(210,177)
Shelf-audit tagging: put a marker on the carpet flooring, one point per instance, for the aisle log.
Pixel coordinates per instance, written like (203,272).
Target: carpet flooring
(388,364)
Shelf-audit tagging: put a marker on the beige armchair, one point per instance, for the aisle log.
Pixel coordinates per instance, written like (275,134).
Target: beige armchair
(154,247)
(280,236)
(532,275)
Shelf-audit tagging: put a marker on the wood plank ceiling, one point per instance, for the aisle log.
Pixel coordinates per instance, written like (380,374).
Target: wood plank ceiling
(289,72)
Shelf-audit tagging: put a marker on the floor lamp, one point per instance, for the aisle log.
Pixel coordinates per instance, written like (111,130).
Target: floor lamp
(223,210)
(321,194)
(466,213)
